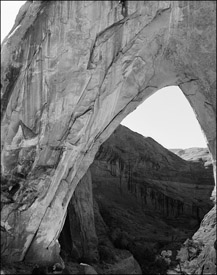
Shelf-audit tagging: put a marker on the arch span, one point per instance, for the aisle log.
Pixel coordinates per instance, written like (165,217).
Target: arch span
(71,71)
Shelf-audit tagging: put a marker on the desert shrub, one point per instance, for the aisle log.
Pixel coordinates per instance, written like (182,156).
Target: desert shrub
(165,255)
(163,261)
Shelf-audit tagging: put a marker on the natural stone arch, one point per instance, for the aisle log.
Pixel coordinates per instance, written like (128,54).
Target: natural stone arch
(68,82)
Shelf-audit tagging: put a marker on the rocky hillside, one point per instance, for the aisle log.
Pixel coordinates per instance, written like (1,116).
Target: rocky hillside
(137,200)
(155,177)
(71,71)
(145,199)
(194,154)
(150,198)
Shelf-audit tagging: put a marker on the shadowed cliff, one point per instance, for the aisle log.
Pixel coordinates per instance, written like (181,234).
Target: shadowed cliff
(145,199)
(70,72)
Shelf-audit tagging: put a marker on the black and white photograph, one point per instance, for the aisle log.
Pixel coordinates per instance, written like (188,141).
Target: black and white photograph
(108,137)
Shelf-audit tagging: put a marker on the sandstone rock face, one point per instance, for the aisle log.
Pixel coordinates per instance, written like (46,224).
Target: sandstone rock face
(136,202)
(194,154)
(207,235)
(198,255)
(135,183)
(71,71)
(198,155)
(78,237)
(79,241)
(132,164)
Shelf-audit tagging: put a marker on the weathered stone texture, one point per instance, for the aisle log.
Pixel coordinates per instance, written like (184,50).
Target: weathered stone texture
(78,237)
(159,180)
(71,71)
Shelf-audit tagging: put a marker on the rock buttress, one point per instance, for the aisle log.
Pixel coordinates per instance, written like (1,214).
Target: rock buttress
(71,71)
(78,237)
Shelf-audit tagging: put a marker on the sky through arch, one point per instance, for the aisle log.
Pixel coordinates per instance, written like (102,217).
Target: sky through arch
(167,117)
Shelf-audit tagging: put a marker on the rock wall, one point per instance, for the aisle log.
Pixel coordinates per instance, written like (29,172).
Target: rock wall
(78,237)
(79,241)
(136,204)
(71,71)
(131,163)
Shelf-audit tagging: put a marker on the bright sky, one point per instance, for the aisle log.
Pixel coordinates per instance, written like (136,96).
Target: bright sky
(166,116)
(9,11)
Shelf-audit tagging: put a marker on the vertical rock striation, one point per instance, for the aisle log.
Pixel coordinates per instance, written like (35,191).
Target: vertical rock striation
(78,237)
(159,180)
(71,71)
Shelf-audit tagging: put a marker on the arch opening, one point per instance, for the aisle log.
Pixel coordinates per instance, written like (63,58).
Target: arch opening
(167,117)
(143,202)
(154,62)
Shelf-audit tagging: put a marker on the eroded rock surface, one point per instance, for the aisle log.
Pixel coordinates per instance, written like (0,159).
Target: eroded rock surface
(135,183)
(136,205)
(198,255)
(78,238)
(132,164)
(71,71)
(79,241)
(195,154)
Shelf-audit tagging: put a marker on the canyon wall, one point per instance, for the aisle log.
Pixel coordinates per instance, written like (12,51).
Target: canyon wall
(159,180)
(71,71)
(78,237)
(135,204)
